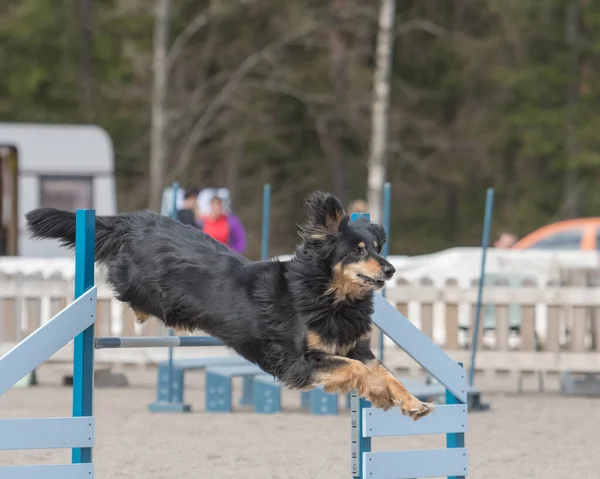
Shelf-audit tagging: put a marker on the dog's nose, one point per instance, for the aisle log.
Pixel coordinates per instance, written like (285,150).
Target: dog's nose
(388,271)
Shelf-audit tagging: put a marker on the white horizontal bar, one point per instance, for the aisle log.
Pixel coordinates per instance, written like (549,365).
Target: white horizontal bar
(46,433)
(46,340)
(156,342)
(411,464)
(54,471)
(420,347)
(444,419)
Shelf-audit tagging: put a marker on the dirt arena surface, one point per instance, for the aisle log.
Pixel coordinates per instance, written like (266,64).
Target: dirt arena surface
(523,436)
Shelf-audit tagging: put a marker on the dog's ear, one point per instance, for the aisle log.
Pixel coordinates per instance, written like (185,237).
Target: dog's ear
(379,232)
(324,215)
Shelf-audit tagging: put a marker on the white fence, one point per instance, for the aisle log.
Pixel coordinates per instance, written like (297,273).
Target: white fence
(531,320)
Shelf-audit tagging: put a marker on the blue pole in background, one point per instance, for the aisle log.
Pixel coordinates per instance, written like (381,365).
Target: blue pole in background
(247,398)
(264,246)
(83,356)
(173,215)
(387,206)
(485,239)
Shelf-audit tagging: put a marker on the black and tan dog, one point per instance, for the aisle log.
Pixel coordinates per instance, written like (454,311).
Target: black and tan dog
(305,321)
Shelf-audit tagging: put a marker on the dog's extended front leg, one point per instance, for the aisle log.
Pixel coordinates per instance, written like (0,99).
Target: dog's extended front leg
(338,374)
(401,397)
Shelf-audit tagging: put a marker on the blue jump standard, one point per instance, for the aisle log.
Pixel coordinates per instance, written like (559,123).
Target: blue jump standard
(179,366)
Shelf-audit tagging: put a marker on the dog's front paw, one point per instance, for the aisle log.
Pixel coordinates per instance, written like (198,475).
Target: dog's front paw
(413,408)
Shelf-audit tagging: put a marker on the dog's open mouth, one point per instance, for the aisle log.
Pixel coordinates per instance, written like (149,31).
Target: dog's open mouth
(375,282)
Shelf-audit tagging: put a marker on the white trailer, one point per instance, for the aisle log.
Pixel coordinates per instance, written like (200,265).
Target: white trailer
(63,166)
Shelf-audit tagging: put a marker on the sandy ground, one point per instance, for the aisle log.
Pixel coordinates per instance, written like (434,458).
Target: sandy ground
(524,436)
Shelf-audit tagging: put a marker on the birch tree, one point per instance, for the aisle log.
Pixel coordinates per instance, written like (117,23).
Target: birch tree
(158,146)
(379,115)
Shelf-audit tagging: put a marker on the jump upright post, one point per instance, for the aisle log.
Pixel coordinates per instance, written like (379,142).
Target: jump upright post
(266,216)
(485,239)
(450,418)
(387,207)
(173,215)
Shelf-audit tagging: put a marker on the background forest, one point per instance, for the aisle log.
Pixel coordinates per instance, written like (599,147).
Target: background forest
(501,93)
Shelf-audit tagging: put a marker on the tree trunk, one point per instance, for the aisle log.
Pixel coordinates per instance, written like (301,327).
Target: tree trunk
(571,188)
(86,60)
(379,115)
(338,68)
(158,147)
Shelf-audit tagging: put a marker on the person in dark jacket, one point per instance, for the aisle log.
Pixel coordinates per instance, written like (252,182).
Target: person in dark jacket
(190,213)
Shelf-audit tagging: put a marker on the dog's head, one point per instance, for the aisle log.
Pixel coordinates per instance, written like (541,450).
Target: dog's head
(351,249)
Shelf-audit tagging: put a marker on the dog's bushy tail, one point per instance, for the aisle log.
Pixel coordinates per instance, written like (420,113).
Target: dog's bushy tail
(52,223)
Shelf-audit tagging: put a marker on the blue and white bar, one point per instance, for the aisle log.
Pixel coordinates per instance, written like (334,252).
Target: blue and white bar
(46,433)
(411,464)
(420,347)
(445,419)
(40,345)
(54,471)
(157,342)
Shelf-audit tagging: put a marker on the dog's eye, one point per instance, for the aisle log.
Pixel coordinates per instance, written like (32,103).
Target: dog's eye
(359,249)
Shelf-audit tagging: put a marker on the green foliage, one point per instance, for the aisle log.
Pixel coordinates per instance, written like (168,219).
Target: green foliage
(281,92)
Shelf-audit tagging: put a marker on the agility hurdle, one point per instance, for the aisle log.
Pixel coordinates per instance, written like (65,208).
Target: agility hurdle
(449,419)
(76,322)
(77,432)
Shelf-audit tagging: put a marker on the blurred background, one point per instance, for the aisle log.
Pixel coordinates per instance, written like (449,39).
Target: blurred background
(236,93)
(105,104)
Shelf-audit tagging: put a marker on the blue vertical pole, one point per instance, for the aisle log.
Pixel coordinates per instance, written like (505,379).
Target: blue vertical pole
(455,439)
(247,398)
(172,214)
(83,357)
(264,245)
(358,444)
(485,239)
(387,206)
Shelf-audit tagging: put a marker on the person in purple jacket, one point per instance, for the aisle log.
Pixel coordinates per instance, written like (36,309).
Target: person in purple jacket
(223,227)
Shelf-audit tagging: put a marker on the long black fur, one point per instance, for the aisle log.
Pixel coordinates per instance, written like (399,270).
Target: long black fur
(264,310)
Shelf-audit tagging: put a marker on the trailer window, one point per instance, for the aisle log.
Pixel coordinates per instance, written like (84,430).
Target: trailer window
(67,193)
